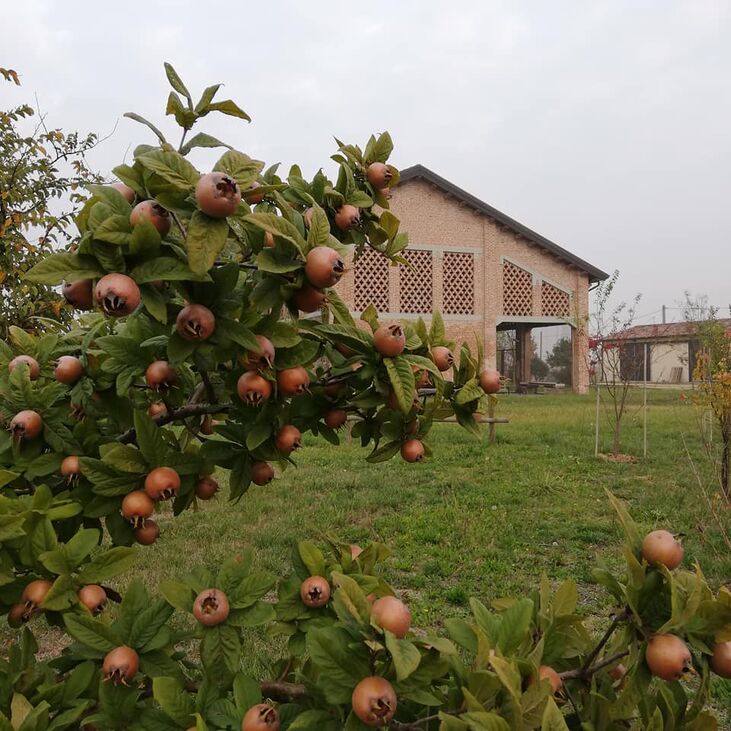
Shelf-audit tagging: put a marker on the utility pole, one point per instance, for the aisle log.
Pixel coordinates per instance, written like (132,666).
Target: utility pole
(663,314)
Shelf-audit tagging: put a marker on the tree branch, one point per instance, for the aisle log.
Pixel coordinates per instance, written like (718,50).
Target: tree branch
(583,674)
(618,619)
(280,691)
(178,415)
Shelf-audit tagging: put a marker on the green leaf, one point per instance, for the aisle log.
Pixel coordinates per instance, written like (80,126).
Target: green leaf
(312,557)
(206,237)
(319,233)
(61,595)
(125,458)
(202,140)
(471,391)
(172,167)
(280,227)
(178,595)
(137,118)
(340,664)
(167,269)
(114,230)
(553,719)
(405,655)
(173,699)
(177,83)
(437,333)
(145,239)
(220,651)
(150,439)
(515,626)
(384,452)
(230,108)
(56,268)
(402,381)
(112,562)
(240,167)
(247,692)
(350,601)
(206,98)
(91,632)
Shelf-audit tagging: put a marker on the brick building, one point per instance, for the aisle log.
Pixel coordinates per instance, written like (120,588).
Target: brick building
(481,269)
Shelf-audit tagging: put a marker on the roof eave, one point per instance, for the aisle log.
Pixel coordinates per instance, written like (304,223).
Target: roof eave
(419,171)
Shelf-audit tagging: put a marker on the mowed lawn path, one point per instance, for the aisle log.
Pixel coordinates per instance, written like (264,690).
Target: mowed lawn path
(473,520)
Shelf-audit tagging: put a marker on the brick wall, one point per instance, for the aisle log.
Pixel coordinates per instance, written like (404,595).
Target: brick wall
(443,226)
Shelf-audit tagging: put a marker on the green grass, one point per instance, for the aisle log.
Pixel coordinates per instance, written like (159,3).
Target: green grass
(475,520)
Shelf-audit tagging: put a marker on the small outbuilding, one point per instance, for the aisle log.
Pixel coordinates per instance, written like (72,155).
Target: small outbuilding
(662,353)
(482,270)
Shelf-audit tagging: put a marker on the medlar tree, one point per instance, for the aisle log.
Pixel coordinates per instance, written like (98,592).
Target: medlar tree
(194,356)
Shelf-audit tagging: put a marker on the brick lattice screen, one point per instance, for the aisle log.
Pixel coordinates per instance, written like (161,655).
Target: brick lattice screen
(554,301)
(371,281)
(517,290)
(459,284)
(417,282)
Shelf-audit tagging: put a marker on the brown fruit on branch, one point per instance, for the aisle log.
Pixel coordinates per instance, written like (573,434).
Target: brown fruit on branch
(412,450)
(721,659)
(137,506)
(392,614)
(79,294)
(335,418)
(208,425)
(261,717)
(288,439)
(117,294)
(262,473)
(157,408)
(125,190)
(120,665)
(618,672)
(347,217)
(26,424)
(93,597)
(206,487)
(387,193)
(390,340)
(154,213)
(490,380)
(263,357)
(315,592)
(293,381)
(442,357)
(355,551)
(308,299)
(374,701)
(251,195)
(18,615)
(147,532)
(378,174)
(253,389)
(668,657)
(268,239)
(35,593)
(71,467)
(324,267)
(218,195)
(661,547)
(195,323)
(34,370)
(160,375)
(307,216)
(162,483)
(211,607)
(546,672)
(68,370)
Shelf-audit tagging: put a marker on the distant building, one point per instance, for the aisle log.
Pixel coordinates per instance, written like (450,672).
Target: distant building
(481,269)
(671,351)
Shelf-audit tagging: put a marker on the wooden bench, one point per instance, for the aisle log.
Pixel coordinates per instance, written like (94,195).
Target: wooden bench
(535,386)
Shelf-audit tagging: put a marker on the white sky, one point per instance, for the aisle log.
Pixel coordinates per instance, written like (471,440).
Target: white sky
(604,125)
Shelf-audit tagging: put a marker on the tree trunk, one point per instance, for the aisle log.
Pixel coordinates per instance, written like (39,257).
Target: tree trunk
(617,431)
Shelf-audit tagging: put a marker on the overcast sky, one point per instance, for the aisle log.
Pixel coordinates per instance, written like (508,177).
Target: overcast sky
(603,125)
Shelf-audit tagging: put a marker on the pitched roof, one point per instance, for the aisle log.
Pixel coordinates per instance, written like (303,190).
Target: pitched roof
(419,171)
(670,330)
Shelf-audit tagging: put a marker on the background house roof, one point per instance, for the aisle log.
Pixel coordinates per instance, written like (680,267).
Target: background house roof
(670,330)
(419,171)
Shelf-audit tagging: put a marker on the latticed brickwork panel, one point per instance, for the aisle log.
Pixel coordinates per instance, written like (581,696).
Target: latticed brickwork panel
(417,282)
(554,301)
(459,284)
(517,290)
(371,281)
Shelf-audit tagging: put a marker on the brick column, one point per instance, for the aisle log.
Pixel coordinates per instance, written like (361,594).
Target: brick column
(491,279)
(437,275)
(394,289)
(580,336)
